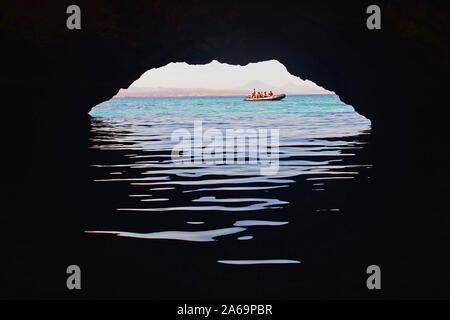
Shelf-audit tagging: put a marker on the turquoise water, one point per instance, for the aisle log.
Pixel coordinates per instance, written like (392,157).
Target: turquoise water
(321,140)
(308,116)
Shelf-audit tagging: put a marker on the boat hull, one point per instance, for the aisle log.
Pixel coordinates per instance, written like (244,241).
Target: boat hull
(272,98)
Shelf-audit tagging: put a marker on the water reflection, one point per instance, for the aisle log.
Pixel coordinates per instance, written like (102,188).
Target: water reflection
(267,261)
(201,236)
(131,157)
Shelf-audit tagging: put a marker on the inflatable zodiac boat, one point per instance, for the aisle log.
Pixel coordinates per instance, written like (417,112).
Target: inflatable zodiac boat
(275,97)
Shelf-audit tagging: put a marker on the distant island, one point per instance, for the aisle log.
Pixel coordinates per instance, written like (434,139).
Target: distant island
(289,88)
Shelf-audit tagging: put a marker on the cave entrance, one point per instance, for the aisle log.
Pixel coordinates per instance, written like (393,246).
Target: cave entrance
(163,145)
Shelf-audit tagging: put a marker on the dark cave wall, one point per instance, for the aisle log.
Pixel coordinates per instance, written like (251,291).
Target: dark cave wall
(326,42)
(388,75)
(396,76)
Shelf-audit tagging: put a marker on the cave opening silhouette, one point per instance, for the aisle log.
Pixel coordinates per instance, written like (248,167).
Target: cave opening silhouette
(393,76)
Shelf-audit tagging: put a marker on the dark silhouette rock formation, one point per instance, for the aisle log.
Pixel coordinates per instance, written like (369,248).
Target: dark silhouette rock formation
(388,75)
(397,77)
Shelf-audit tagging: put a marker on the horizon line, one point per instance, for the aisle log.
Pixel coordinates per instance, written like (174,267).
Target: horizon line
(213,95)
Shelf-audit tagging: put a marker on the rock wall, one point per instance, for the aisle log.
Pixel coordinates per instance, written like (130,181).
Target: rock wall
(396,76)
(392,75)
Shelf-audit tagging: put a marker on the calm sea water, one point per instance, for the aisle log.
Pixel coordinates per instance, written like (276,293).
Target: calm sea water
(322,147)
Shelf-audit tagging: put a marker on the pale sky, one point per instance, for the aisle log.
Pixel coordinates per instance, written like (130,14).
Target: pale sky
(215,75)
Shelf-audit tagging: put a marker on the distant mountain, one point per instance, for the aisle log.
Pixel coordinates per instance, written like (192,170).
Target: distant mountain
(255,84)
(288,88)
(177,92)
(292,87)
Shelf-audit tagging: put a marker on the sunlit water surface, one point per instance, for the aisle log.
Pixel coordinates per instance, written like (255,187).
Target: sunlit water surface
(131,144)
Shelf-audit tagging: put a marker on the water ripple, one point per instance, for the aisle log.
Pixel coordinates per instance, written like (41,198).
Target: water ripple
(130,146)
(199,236)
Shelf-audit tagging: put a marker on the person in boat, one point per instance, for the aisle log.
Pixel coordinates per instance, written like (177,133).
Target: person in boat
(254,93)
(265,94)
(270,93)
